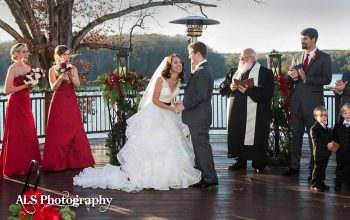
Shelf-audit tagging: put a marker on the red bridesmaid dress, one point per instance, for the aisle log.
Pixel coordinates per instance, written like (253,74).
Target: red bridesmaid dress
(66,143)
(20,143)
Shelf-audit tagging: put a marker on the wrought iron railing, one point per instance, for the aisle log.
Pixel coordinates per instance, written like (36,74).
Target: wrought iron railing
(96,119)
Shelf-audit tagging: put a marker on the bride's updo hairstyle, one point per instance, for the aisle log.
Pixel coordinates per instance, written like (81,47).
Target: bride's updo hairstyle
(59,51)
(166,71)
(14,49)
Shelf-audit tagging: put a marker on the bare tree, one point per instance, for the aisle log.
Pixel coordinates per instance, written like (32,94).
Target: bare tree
(44,24)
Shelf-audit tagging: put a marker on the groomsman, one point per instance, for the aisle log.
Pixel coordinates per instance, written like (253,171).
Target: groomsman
(311,69)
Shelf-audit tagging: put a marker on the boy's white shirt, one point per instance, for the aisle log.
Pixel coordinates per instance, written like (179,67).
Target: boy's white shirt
(346,123)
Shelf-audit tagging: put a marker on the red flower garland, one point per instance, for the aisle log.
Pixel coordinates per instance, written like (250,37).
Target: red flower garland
(113,80)
(283,84)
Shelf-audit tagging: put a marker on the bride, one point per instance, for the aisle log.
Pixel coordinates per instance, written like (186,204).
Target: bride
(157,153)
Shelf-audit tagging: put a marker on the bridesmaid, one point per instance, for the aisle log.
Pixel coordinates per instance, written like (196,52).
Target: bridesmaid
(66,143)
(20,143)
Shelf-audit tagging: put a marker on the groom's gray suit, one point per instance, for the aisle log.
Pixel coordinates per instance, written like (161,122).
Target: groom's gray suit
(306,96)
(197,115)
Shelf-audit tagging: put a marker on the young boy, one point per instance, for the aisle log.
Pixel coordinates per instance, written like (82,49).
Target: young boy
(321,137)
(341,133)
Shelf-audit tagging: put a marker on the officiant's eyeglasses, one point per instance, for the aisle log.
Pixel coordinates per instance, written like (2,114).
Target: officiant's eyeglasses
(244,57)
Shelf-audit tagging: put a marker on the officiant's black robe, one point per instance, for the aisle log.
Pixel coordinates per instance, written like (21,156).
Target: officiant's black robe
(237,116)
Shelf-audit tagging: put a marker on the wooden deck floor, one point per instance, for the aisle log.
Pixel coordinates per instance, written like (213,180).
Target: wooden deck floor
(240,195)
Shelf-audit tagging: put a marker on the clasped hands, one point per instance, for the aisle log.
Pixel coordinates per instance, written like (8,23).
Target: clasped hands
(66,76)
(294,74)
(240,88)
(339,86)
(177,106)
(330,145)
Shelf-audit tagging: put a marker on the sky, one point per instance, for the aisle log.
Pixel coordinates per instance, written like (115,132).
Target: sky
(274,24)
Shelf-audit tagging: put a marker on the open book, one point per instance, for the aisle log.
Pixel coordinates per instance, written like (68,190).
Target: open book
(245,83)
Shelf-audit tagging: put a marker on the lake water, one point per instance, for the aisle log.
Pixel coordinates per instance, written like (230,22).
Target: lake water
(335,77)
(219,107)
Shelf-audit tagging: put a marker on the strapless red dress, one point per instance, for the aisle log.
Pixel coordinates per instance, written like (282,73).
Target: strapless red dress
(66,143)
(20,142)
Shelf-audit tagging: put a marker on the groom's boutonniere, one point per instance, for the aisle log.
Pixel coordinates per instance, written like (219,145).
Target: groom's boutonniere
(315,56)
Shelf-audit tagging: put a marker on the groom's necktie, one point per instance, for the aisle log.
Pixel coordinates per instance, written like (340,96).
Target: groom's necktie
(306,61)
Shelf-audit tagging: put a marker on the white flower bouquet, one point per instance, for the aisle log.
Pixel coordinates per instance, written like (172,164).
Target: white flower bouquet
(34,76)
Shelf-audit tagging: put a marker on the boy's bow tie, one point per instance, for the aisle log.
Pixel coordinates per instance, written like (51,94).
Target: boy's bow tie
(346,123)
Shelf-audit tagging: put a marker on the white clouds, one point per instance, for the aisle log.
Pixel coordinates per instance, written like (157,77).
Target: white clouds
(276,24)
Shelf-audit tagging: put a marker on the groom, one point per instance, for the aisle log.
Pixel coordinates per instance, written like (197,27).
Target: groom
(197,113)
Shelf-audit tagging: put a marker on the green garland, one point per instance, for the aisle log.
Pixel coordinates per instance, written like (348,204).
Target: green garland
(121,93)
(111,143)
(278,153)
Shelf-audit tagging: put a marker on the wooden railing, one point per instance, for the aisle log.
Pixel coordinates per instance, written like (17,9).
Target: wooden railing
(96,119)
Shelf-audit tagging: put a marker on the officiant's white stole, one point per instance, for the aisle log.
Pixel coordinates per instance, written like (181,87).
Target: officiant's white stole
(251,105)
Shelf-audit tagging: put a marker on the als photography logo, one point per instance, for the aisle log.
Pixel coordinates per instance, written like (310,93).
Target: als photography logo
(66,200)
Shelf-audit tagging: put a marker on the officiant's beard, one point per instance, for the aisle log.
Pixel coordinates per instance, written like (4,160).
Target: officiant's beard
(243,67)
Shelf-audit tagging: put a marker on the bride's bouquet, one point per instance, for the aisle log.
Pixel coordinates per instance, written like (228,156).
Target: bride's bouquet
(34,77)
(62,68)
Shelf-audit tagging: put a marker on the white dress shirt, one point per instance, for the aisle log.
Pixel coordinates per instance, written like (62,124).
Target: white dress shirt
(311,54)
(346,123)
(200,63)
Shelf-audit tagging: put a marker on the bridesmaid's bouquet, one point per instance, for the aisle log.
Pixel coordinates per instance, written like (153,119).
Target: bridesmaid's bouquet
(62,68)
(34,77)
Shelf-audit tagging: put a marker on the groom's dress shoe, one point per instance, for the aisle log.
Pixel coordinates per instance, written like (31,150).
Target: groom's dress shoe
(203,183)
(291,172)
(199,184)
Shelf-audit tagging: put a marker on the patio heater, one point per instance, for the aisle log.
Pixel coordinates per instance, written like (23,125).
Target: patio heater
(194,26)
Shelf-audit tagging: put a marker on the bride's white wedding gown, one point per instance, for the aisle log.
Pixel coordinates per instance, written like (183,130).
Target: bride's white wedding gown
(156,155)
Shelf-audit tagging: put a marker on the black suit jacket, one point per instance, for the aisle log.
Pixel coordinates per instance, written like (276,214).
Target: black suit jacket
(320,137)
(197,97)
(341,135)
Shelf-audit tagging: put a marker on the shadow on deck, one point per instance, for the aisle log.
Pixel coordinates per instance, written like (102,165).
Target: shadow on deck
(240,194)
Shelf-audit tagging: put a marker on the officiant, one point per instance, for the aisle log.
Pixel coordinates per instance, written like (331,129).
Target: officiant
(248,111)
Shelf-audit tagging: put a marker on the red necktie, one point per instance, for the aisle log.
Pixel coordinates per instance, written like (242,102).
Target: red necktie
(306,62)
